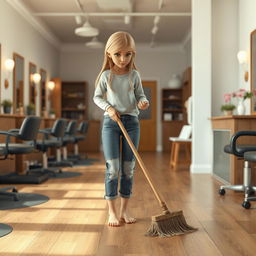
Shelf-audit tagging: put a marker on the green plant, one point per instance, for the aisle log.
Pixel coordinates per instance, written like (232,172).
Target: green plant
(228,107)
(31,106)
(52,112)
(6,103)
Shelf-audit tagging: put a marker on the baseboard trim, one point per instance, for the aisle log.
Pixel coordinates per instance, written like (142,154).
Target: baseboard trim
(200,168)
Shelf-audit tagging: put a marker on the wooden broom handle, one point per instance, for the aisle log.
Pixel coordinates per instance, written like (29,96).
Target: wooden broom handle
(143,167)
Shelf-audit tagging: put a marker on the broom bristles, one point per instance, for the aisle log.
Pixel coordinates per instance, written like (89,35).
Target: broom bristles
(171,224)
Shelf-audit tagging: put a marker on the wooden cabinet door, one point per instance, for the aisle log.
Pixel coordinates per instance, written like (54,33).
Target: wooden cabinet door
(148,118)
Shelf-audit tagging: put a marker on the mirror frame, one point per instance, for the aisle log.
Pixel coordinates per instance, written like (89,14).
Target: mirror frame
(14,80)
(43,87)
(0,76)
(252,70)
(32,84)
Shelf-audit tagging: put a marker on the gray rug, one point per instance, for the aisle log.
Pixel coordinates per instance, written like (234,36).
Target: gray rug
(5,229)
(65,174)
(25,200)
(85,162)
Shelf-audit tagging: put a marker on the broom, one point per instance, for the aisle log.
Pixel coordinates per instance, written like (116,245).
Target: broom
(168,223)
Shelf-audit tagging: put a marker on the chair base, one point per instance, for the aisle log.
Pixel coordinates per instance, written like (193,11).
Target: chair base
(247,188)
(13,194)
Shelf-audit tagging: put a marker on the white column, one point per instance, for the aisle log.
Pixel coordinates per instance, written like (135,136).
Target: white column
(202,145)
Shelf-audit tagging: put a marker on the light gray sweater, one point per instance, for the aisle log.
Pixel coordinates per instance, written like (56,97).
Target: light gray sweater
(120,96)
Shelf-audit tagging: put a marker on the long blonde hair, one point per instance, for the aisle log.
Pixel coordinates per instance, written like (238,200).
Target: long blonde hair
(117,41)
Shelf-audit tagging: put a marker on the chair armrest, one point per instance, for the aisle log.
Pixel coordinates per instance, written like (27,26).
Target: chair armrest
(7,140)
(236,136)
(14,130)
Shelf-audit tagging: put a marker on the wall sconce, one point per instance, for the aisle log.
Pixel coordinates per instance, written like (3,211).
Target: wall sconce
(242,57)
(51,85)
(36,77)
(9,66)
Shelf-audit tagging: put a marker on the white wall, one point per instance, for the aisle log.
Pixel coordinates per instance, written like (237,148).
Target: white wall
(17,35)
(201,87)
(80,64)
(247,23)
(224,51)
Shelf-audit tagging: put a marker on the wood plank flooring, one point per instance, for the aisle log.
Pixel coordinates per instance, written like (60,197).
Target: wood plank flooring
(73,221)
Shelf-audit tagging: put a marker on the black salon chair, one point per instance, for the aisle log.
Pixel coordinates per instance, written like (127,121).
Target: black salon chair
(27,132)
(52,138)
(245,152)
(61,160)
(79,136)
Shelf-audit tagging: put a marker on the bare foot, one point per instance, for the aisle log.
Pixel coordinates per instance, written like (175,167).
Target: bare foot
(127,218)
(113,220)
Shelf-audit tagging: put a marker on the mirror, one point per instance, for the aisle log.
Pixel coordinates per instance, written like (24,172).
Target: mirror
(43,91)
(32,84)
(253,71)
(18,82)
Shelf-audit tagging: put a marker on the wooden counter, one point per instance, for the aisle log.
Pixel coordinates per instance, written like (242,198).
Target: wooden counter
(223,128)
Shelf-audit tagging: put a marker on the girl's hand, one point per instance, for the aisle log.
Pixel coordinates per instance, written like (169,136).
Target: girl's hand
(143,105)
(113,114)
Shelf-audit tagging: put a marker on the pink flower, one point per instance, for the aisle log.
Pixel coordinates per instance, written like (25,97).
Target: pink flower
(227,97)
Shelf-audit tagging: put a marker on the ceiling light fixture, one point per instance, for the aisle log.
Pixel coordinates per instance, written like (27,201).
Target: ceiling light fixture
(127,19)
(94,43)
(86,30)
(78,19)
(154,30)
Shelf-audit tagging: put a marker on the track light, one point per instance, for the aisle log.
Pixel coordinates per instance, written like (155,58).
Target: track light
(156,20)
(127,19)
(154,30)
(78,19)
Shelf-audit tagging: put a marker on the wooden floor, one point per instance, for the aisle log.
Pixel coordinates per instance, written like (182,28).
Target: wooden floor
(73,221)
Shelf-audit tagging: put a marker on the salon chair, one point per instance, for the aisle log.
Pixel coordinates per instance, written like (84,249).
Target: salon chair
(27,132)
(57,132)
(248,154)
(79,136)
(62,161)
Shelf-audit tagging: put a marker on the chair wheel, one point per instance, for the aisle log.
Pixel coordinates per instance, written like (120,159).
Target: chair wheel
(14,190)
(252,193)
(246,204)
(222,191)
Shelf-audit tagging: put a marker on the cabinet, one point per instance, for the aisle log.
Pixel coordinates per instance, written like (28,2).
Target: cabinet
(173,111)
(172,108)
(70,99)
(74,100)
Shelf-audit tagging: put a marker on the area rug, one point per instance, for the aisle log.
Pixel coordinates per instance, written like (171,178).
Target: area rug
(25,200)
(64,174)
(5,229)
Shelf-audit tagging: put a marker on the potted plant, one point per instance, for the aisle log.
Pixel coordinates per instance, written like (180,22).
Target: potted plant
(228,107)
(30,109)
(52,113)
(7,106)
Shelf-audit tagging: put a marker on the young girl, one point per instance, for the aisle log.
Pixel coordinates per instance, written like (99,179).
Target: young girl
(119,93)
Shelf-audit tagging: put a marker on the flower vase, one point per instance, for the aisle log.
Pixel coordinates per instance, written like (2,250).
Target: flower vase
(241,108)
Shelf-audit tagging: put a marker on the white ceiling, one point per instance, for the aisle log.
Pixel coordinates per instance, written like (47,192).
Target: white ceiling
(172,29)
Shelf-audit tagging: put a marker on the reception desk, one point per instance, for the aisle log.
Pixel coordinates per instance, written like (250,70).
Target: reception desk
(18,163)
(228,168)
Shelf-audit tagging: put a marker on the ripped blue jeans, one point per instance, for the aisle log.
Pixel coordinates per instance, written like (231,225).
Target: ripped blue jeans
(119,165)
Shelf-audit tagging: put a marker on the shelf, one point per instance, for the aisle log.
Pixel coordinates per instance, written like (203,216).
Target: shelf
(172,110)
(73,97)
(73,109)
(172,99)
